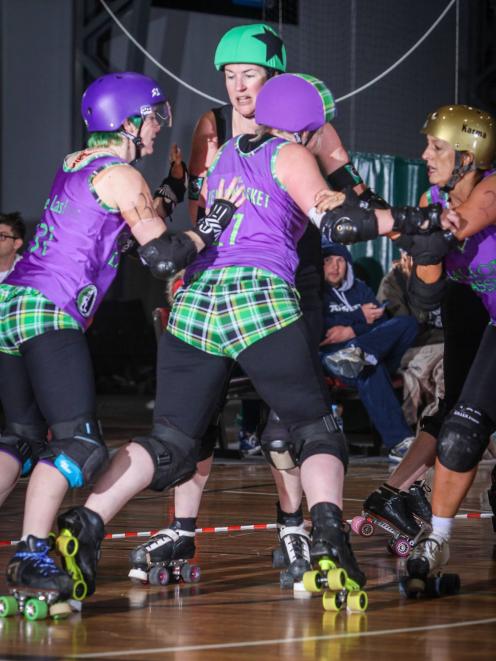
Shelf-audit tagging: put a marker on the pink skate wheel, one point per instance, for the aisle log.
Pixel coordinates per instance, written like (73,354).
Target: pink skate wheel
(401,547)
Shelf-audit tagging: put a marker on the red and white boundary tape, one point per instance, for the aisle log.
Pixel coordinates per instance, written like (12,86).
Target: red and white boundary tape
(252,526)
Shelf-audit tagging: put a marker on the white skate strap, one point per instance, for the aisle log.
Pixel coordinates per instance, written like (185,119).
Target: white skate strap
(300,530)
(158,540)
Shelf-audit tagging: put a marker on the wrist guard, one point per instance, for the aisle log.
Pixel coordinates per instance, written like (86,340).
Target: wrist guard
(211,226)
(167,254)
(372,200)
(423,295)
(349,224)
(346,176)
(427,249)
(172,190)
(417,220)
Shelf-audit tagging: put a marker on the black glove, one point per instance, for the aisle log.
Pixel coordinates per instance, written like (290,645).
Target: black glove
(172,190)
(211,226)
(427,249)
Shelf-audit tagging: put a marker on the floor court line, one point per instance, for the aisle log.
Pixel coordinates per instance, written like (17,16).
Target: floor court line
(281,641)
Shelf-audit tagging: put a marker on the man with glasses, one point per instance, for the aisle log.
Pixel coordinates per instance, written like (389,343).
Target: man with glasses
(12,233)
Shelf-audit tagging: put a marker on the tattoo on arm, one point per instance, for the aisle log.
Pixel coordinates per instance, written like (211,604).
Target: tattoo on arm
(145,204)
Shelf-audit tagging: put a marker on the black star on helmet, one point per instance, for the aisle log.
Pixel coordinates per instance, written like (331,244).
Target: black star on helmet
(273,43)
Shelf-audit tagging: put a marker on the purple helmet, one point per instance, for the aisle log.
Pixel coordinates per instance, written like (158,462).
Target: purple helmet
(111,99)
(294,102)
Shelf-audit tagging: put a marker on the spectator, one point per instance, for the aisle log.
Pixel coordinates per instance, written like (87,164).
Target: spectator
(363,348)
(12,233)
(422,364)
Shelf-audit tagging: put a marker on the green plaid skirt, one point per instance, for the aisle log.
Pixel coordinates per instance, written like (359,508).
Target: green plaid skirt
(26,313)
(224,311)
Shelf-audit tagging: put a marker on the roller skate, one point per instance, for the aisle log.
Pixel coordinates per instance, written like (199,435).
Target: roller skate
(417,503)
(164,558)
(293,553)
(337,573)
(491,494)
(429,555)
(81,532)
(386,508)
(38,588)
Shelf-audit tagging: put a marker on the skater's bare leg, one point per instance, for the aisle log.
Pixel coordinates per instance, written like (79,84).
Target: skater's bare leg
(187,496)
(289,489)
(9,474)
(449,490)
(46,490)
(130,471)
(420,456)
(322,478)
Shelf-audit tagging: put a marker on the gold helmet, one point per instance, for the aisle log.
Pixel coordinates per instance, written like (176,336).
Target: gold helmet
(465,129)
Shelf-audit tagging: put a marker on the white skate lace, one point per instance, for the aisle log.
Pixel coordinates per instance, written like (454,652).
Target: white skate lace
(296,541)
(433,549)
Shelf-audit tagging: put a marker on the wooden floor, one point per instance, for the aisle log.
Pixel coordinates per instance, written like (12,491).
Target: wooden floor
(238,610)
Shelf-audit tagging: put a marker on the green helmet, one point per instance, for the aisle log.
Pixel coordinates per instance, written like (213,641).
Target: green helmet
(251,44)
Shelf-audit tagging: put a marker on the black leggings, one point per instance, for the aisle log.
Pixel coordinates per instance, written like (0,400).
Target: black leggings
(478,389)
(52,381)
(283,368)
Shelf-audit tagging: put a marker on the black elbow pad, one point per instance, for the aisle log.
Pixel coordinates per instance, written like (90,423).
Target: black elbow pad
(426,296)
(349,224)
(168,254)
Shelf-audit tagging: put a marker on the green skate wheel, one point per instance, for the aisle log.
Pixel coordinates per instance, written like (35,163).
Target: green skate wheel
(35,609)
(332,601)
(8,606)
(312,581)
(336,578)
(357,602)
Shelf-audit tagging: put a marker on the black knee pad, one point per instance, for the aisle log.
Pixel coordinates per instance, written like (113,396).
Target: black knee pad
(208,441)
(463,438)
(432,423)
(77,450)
(174,455)
(276,444)
(323,436)
(25,443)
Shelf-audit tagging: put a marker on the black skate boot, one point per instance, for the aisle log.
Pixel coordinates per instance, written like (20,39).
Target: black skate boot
(491,494)
(164,557)
(37,586)
(337,568)
(386,508)
(81,532)
(417,503)
(293,553)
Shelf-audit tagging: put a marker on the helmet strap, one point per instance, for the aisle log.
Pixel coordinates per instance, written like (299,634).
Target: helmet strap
(136,140)
(297,137)
(459,171)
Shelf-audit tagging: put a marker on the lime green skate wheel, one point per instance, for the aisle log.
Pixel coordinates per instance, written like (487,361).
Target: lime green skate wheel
(336,579)
(35,609)
(358,601)
(311,581)
(332,601)
(8,606)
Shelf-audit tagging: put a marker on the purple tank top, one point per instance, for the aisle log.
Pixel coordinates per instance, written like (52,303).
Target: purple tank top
(267,226)
(474,263)
(74,255)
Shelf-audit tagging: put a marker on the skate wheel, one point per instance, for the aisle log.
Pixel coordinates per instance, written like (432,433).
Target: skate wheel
(312,581)
(278,561)
(336,578)
(358,601)
(8,606)
(286,580)
(60,610)
(356,622)
(400,547)
(159,576)
(450,584)
(356,523)
(67,546)
(79,590)
(363,527)
(332,601)
(414,587)
(35,609)
(190,573)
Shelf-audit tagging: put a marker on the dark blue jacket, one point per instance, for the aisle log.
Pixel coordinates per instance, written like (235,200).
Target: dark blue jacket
(342,305)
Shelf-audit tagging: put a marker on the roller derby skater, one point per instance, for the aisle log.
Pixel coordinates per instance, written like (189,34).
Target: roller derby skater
(293,553)
(336,573)
(164,557)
